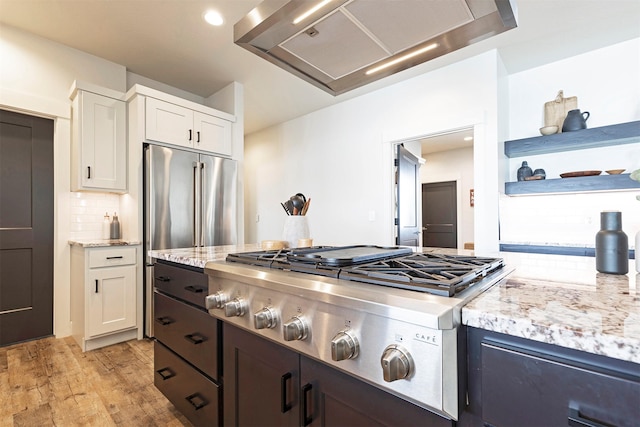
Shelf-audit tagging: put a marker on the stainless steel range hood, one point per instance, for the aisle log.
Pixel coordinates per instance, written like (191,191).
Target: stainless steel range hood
(339,46)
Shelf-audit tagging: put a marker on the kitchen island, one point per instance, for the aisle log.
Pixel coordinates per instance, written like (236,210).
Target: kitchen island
(554,316)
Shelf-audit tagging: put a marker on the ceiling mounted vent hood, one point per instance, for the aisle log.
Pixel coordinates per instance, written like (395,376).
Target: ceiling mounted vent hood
(339,45)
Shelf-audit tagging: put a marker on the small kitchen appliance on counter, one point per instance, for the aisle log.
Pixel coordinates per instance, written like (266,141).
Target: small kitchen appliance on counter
(385,315)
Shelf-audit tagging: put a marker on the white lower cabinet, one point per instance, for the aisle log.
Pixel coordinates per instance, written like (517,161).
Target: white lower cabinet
(103,295)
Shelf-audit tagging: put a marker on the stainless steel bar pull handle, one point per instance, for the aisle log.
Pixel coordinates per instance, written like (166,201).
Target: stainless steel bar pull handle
(202,193)
(196,205)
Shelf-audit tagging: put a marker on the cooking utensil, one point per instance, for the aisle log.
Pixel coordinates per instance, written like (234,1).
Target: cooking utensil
(297,204)
(306,206)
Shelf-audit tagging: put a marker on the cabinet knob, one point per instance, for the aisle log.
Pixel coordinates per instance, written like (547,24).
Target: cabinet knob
(396,363)
(296,329)
(265,318)
(344,346)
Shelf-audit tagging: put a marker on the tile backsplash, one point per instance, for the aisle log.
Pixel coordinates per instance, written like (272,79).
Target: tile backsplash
(87,213)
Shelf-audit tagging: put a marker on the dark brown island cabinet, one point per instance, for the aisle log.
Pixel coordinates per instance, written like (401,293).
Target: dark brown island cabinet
(187,360)
(267,384)
(520,382)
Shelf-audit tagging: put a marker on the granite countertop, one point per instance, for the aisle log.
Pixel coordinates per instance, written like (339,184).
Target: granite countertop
(97,243)
(563,300)
(198,257)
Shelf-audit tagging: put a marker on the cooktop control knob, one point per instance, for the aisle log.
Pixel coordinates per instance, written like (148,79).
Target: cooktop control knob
(265,318)
(396,363)
(344,346)
(216,300)
(235,307)
(296,328)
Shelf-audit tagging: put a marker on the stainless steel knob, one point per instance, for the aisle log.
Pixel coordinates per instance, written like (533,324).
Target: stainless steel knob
(216,300)
(344,346)
(265,318)
(235,307)
(396,363)
(296,328)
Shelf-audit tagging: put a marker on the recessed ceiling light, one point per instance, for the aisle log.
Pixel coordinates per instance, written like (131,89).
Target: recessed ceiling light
(213,18)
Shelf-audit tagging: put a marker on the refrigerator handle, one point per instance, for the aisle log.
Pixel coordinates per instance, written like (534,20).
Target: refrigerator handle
(197,202)
(203,193)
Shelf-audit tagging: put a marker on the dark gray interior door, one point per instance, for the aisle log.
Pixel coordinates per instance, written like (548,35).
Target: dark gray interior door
(26,227)
(408,179)
(439,215)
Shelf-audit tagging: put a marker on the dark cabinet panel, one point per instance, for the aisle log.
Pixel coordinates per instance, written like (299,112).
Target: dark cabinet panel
(190,332)
(332,398)
(515,381)
(261,381)
(195,396)
(181,282)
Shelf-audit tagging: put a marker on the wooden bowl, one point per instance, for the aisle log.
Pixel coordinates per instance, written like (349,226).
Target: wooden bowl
(615,171)
(269,245)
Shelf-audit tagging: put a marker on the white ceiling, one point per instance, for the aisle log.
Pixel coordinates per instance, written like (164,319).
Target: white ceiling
(168,41)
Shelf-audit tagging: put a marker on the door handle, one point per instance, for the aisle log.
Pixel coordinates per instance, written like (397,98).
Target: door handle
(194,289)
(96,286)
(165,373)
(307,419)
(163,279)
(577,420)
(284,404)
(195,338)
(164,320)
(197,401)
(88,172)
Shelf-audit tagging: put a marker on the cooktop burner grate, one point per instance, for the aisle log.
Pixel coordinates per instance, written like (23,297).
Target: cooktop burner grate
(424,272)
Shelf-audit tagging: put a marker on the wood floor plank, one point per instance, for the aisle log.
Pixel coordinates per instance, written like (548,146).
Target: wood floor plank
(51,382)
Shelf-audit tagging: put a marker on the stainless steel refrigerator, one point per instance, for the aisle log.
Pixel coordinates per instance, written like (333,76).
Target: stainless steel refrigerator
(189,201)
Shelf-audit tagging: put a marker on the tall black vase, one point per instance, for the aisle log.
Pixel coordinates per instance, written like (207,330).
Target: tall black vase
(612,245)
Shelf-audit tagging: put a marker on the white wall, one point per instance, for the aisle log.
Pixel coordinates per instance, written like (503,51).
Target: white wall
(35,78)
(454,165)
(607,84)
(341,156)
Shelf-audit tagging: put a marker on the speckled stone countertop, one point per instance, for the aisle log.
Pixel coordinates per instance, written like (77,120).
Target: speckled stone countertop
(97,243)
(198,257)
(563,300)
(556,299)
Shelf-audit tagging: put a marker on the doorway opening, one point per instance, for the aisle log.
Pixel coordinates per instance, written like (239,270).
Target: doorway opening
(446,157)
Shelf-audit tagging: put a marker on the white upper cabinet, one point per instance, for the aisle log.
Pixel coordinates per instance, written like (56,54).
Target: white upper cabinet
(173,124)
(212,133)
(99,140)
(170,123)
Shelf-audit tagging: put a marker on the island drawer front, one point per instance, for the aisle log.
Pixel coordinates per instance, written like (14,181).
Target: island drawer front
(527,389)
(188,331)
(193,394)
(185,284)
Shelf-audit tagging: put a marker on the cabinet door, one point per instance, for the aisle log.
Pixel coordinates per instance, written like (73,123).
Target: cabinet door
(533,389)
(261,381)
(111,299)
(331,398)
(212,133)
(168,123)
(103,142)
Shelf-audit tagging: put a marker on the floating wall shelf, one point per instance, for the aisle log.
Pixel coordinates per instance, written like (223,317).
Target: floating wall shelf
(623,133)
(572,185)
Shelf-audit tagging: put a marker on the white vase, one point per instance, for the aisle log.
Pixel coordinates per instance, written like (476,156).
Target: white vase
(637,251)
(296,227)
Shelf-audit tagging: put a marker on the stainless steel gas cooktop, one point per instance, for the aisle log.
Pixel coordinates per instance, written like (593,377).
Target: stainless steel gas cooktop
(396,267)
(385,315)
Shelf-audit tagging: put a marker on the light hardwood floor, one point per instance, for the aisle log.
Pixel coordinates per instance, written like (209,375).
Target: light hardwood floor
(51,382)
